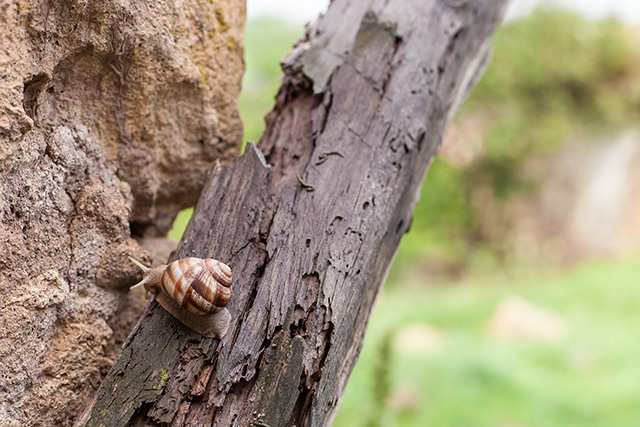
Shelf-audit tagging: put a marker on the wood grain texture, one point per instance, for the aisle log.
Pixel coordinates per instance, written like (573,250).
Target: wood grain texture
(376,82)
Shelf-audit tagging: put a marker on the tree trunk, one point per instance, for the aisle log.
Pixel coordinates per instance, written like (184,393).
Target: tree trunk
(311,230)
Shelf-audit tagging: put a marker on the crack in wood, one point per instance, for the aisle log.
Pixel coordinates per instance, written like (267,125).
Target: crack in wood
(175,391)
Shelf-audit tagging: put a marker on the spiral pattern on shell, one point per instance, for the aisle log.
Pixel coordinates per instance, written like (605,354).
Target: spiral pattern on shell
(201,286)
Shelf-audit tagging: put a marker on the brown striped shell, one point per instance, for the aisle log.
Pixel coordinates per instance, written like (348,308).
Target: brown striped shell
(201,286)
(195,291)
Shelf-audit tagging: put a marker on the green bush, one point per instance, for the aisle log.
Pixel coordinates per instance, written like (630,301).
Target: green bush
(554,76)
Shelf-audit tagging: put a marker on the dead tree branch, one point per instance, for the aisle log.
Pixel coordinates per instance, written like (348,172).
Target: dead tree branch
(311,230)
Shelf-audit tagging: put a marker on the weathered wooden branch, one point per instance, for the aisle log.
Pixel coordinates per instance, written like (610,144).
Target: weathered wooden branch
(311,230)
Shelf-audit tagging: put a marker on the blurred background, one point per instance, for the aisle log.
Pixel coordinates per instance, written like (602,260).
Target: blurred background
(513,300)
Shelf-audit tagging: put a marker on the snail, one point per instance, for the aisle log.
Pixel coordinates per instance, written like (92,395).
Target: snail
(193,290)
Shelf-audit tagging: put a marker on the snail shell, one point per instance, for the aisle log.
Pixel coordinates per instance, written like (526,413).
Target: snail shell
(193,290)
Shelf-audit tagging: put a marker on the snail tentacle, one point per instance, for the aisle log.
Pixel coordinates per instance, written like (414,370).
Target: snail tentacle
(143,267)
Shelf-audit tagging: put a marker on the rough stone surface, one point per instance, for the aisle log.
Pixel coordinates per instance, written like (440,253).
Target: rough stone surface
(110,113)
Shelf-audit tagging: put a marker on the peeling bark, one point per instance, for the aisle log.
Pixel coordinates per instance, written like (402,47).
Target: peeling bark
(310,229)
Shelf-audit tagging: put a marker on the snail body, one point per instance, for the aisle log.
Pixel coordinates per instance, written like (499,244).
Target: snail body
(194,290)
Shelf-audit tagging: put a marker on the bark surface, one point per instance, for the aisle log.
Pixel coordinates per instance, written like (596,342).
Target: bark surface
(309,229)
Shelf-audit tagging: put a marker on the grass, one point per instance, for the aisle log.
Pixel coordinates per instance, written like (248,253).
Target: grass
(589,378)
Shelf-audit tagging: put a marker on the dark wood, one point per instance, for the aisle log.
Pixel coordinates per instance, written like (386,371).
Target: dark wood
(309,240)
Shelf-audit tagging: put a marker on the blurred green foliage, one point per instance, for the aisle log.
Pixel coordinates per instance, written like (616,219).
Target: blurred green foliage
(554,76)
(180,224)
(588,378)
(267,41)
(552,73)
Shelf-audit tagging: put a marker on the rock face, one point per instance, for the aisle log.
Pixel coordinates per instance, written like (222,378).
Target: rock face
(110,113)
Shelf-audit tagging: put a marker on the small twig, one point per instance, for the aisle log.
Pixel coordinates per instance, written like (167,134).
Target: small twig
(324,156)
(306,185)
